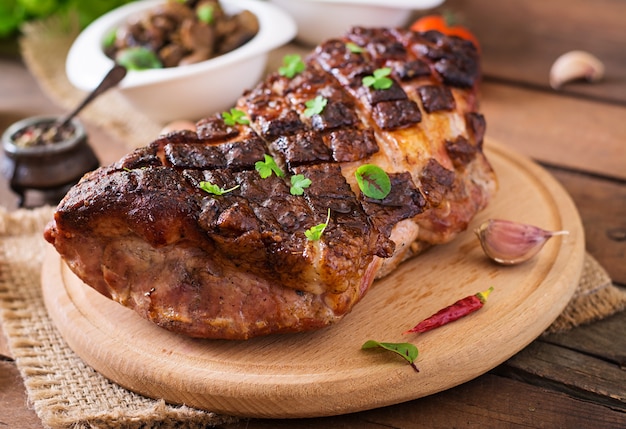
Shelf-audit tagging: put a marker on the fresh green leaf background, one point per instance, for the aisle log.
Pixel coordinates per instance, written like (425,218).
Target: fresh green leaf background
(13,13)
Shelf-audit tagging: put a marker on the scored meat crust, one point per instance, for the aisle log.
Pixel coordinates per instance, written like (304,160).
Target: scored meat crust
(239,265)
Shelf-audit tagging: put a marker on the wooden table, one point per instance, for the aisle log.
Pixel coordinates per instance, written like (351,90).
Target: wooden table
(576,379)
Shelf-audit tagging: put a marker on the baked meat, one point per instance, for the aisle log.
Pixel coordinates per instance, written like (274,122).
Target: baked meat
(235,261)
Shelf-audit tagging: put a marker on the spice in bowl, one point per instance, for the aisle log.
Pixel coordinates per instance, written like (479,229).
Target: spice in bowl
(42,134)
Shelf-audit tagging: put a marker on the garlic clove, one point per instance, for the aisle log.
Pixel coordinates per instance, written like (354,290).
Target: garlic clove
(510,243)
(575,65)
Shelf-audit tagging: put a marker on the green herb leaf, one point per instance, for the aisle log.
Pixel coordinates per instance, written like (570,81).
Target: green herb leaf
(292,65)
(315,232)
(373,181)
(138,58)
(214,189)
(298,184)
(315,106)
(267,167)
(354,48)
(235,116)
(407,350)
(379,79)
(205,13)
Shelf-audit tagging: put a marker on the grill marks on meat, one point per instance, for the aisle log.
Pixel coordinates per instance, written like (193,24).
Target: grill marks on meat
(142,232)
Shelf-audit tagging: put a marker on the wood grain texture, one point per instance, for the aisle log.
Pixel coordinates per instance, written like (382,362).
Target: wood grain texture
(603,340)
(487,402)
(602,203)
(324,372)
(521,39)
(577,134)
(548,365)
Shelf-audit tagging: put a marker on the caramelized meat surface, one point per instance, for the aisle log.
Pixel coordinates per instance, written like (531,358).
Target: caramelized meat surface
(236,264)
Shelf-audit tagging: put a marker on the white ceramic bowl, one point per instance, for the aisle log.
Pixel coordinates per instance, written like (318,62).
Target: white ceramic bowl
(319,20)
(183,92)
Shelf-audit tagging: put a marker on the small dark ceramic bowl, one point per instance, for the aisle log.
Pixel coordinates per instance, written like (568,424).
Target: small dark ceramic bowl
(51,168)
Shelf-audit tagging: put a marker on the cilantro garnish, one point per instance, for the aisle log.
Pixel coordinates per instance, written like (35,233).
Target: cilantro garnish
(379,79)
(214,189)
(373,181)
(407,350)
(315,106)
(315,232)
(235,116)
(293,65)
(354,48)
(267,167)
(298,184)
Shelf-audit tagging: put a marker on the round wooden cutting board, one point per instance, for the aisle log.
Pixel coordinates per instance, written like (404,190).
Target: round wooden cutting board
(325,372)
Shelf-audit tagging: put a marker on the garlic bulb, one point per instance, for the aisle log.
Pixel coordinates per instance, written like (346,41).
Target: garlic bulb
(511,243)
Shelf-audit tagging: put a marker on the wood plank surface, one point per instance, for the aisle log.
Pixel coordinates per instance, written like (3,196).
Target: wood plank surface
(569,132)
(521,39)
(602,205)
(603,339)
(487,402)
(576,373)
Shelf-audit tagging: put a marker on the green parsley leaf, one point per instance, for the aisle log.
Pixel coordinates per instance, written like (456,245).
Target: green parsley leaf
(315,232)
(315,106)
(267,167)
(214,189)
(292,65)
(354,48)
(205,13)
(138,58)
(298,184)
(407,350)
(373,181)
(379,79)
(235,116)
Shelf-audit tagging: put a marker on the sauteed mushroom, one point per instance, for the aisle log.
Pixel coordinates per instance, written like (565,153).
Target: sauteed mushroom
(179,33)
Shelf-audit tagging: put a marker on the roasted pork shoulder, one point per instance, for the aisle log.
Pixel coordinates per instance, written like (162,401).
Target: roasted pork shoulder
(236,262)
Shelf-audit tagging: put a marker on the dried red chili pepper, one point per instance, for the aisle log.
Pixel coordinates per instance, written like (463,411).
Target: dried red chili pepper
(459,309)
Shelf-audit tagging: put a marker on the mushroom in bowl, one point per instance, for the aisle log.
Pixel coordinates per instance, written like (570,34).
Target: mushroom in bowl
(189,89)
(319,20)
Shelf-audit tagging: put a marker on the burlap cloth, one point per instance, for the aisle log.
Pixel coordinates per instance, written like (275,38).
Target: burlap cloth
(66,393)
